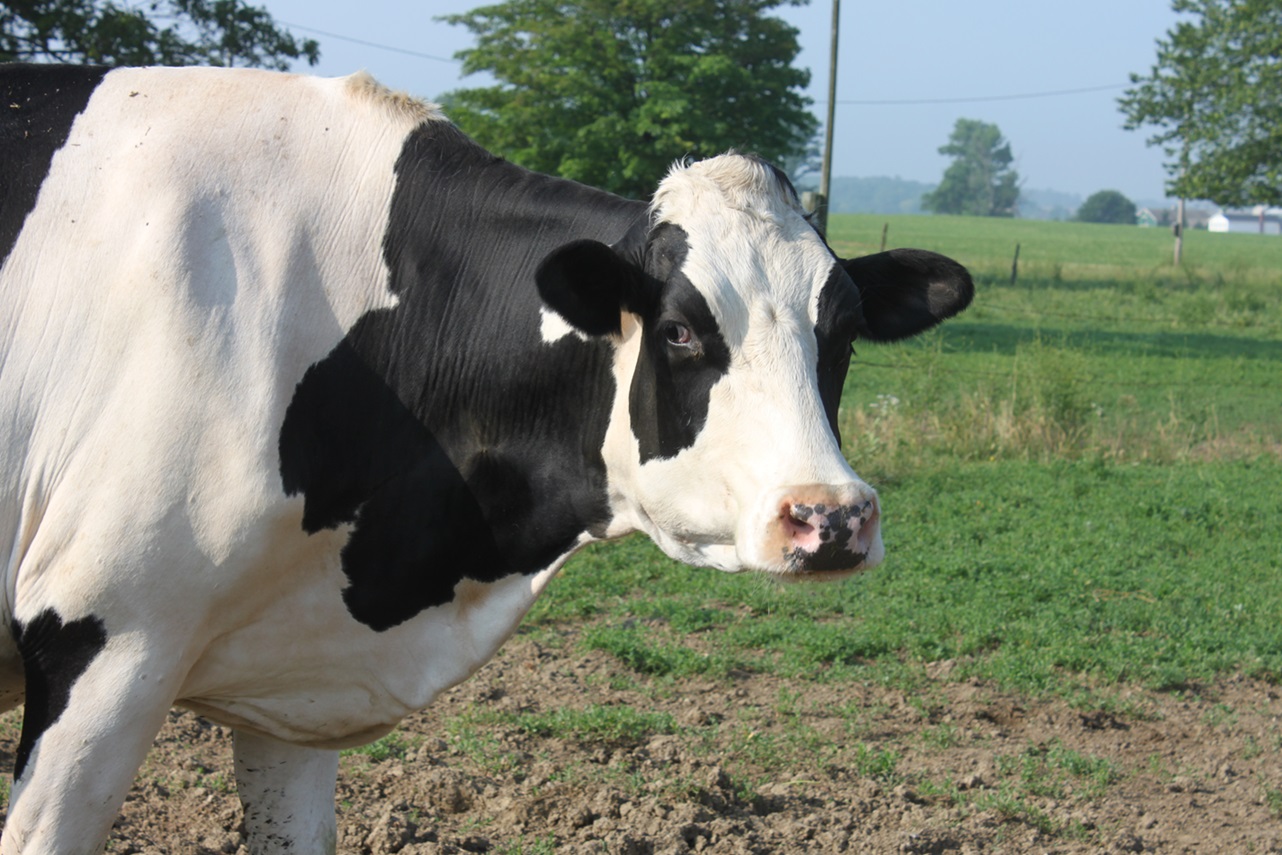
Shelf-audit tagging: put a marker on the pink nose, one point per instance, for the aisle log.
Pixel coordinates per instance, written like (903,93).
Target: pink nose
(821,533)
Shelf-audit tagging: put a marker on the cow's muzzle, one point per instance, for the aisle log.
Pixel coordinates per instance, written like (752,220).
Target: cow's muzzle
(821,531)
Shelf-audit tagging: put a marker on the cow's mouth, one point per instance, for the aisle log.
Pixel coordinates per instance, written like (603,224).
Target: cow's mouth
(829,563)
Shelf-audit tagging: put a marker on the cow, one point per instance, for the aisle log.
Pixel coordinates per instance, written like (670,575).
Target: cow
(306,396)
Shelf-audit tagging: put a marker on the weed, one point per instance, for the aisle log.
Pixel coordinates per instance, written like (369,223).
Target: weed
(638,652)
(1219,716)
(880,763)
(393,745)
(470,735)
(545,845)
(1052,771)
(941,737)
(1273,800)
(1014,806)
(596,723)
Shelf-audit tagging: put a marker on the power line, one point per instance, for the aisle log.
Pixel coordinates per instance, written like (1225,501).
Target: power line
(1020,96)
(364,43)
(861,103)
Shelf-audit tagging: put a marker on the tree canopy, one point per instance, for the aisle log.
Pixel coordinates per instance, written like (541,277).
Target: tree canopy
(979,182)
(1107,206)
(612,93)
(1215,98)
(166,32)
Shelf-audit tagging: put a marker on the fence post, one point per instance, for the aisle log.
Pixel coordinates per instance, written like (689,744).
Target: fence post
(1014,266)
(884,229)
(1178,230)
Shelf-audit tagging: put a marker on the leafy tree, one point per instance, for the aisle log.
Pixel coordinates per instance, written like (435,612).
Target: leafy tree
(979,181)
(612,93)
(1215,98)
(166,32)
(1107,206)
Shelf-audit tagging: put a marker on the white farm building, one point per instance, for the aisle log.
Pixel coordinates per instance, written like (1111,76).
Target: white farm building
(1257,221)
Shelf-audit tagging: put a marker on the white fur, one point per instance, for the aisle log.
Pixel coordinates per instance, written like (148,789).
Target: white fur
(553,327)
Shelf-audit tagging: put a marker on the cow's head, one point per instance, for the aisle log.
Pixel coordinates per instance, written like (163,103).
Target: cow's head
(733,324)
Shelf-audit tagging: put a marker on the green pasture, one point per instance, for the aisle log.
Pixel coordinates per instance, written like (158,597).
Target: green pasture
(1081,481)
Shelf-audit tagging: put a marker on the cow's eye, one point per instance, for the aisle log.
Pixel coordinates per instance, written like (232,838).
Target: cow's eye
(677,334)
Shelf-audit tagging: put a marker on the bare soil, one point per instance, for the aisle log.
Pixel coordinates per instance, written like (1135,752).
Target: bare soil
(757,764)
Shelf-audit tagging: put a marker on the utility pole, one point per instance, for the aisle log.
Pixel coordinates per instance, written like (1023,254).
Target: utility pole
(825,174)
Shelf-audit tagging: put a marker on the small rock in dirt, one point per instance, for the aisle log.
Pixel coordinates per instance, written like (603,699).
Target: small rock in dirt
(1128,843)
(717,779)
(903,791)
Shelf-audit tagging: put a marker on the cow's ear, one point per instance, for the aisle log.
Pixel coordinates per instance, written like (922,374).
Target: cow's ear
(589,283)
(906,291)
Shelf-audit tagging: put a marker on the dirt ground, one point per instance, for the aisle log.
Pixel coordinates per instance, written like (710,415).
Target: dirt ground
(756,764)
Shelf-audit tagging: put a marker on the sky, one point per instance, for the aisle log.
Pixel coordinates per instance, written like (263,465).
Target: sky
(965,59)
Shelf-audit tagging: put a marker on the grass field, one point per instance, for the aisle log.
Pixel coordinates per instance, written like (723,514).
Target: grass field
(1080,479)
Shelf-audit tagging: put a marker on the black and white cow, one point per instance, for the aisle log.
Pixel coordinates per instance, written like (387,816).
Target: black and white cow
(305,398)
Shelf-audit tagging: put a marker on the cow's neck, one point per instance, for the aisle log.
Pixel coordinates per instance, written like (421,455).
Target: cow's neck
(458,440)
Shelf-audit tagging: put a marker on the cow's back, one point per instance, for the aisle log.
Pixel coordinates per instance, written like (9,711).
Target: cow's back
(195,239)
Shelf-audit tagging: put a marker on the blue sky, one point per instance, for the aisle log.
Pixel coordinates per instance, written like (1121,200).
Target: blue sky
(908,50)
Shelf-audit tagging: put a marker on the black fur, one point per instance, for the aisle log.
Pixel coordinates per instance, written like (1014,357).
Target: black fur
(906,291)
(38,104)
(54,655)
(835,329)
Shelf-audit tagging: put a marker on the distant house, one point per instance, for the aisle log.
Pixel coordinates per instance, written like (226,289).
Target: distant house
(1258,220)
(1145,218)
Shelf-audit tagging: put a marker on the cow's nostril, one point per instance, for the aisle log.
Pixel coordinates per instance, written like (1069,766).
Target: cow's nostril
(797,526)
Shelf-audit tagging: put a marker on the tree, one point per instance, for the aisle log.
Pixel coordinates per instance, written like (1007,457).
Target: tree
(194,32)
(979,182)
(612,93)
(1107,206)
(804,165)
(1215,97)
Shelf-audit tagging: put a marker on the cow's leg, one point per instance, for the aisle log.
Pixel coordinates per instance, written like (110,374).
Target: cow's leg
(288,795)
(92,709)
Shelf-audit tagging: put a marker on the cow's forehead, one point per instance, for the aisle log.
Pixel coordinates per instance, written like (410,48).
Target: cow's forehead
(749,249)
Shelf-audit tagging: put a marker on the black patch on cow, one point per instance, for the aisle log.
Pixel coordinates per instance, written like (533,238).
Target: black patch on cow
(445,430)
(672,386)
(54,655)
(838,318)
(38,104)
